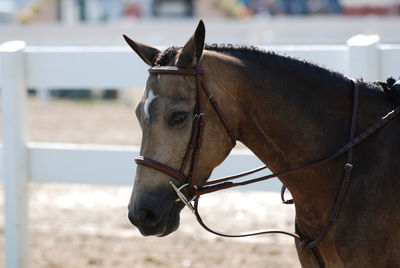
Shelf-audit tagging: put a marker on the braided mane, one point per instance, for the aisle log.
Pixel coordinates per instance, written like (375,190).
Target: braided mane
(168,58)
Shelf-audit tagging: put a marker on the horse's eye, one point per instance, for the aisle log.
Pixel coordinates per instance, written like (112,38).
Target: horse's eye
(177,118)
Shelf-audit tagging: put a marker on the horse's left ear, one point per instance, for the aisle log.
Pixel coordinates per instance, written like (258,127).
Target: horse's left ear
(147,53)
(193,49)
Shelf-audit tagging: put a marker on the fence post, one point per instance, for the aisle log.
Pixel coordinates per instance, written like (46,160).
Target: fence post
(15,157)
(364,57)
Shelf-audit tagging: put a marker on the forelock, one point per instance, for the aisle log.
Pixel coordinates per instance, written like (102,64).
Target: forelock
(167,57)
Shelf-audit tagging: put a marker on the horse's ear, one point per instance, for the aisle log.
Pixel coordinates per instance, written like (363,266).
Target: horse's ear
(148,54)
(193,49)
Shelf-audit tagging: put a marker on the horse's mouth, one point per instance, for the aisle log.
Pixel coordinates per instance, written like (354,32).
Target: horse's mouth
(172,220)
(167,225)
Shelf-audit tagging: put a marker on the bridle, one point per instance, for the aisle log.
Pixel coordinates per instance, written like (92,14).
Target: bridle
(196,139)
(196,136)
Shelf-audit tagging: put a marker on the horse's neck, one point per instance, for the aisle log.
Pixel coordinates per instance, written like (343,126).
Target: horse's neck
(293,117)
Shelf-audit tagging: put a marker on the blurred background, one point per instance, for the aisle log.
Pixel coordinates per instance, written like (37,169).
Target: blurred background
(74,11)
(161,22)
(84,225)
(170,22)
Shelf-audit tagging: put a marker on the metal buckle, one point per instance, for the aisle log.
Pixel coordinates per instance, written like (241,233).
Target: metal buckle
(182,197)
(348,165)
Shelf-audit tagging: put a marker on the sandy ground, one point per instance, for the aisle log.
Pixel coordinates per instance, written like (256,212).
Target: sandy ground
(86,226)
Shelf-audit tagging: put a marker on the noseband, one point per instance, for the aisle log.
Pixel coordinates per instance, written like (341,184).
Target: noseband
(196,139)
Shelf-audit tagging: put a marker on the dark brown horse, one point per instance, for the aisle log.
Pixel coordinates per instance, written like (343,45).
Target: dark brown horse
(289,113)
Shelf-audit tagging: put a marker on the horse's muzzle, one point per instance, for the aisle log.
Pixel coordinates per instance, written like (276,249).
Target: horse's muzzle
(151,221)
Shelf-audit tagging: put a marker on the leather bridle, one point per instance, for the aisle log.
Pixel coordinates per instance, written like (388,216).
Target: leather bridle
(196,140)
(196,136)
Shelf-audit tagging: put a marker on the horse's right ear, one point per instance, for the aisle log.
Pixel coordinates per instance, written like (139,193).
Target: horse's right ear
(146,53)
(193,49)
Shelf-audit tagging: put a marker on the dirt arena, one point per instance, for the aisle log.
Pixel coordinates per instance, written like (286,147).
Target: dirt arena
(86,226)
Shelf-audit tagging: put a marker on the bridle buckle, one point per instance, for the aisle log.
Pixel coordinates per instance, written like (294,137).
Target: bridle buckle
(182,197)
(348,165)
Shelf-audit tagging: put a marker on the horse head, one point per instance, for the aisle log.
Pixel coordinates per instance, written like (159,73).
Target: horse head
(166,114)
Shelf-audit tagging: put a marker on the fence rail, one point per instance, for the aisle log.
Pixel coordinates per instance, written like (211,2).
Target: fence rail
(43,68)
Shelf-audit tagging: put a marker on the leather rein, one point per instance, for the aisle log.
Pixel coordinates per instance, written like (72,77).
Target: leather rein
(193,151)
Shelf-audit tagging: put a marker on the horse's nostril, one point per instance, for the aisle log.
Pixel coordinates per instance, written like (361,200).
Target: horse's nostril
(147,217)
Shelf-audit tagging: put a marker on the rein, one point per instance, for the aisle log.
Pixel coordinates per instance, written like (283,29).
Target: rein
(194,146)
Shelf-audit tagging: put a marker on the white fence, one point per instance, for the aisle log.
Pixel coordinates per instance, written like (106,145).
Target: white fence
(100,67)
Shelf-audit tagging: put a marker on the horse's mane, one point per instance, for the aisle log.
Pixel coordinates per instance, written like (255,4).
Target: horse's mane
(168,56)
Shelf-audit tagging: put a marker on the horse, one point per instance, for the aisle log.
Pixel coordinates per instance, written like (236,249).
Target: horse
(288,112)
